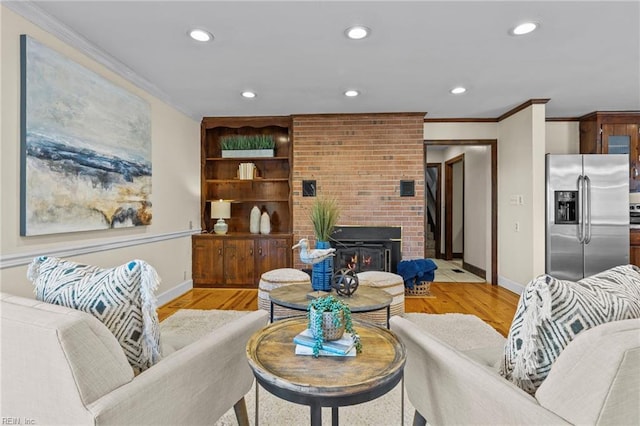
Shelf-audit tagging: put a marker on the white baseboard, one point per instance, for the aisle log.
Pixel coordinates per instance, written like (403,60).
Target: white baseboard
(510,285)
(176,291)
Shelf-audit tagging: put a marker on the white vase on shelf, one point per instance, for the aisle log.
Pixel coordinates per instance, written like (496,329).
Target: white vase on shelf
(254,220)
(265,223)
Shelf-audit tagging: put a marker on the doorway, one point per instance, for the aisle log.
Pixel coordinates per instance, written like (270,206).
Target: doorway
(454,208)
(490,228)
(433,225)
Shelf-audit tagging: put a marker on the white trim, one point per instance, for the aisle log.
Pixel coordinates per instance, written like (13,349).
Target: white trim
(31,12)
(19,259)
(510,285)
(174,292)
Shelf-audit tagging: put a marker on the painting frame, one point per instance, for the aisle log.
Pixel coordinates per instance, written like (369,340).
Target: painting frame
(85,147)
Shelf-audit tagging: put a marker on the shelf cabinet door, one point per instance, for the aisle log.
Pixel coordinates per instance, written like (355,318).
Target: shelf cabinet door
(207,263)
(623,139)
(273,254)
(239,262)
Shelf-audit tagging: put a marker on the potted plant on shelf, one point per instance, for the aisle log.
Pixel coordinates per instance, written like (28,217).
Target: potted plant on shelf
(329,317)
(244,146)
(324,216)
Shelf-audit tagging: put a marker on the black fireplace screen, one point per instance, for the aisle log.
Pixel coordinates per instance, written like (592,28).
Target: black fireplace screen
(374,257)
(367,248)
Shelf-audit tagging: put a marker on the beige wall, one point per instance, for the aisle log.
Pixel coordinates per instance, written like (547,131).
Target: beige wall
(562,137)
(165,244)
(449,131)
(477,210)
(521,145)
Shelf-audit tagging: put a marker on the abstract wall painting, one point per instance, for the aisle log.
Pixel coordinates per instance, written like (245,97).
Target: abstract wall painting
(85,148)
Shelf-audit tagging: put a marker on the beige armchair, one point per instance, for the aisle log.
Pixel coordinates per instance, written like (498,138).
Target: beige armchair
(62,366)
(595,380)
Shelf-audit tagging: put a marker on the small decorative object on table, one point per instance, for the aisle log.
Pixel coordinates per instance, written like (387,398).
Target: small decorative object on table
(345,282)
(329,317)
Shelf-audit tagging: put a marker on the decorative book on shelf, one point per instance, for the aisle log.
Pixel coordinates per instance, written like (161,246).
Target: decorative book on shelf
(341,347)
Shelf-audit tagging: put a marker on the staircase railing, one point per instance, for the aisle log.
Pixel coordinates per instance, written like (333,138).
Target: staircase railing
(430,186)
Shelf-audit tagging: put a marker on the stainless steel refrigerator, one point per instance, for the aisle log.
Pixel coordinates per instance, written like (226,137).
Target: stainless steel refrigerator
(587,208)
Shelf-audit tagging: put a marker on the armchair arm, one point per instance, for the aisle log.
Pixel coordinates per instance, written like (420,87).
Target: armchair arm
(193,386)
(448,387)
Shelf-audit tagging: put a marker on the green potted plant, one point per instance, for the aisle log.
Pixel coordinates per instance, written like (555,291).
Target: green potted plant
(324,216)
(243,146)
(329,317)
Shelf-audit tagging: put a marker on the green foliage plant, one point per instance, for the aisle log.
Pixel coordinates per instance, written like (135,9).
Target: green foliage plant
(244,142)
(335,306)
(324,216)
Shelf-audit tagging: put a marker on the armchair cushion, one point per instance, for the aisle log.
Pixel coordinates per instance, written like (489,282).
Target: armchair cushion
(552,312)
(122,298)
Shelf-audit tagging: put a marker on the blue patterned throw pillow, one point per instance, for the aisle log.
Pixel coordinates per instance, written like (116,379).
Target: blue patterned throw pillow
(552,312)
(121,297)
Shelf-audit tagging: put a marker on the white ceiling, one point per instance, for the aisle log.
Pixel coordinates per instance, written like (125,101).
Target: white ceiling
(584,57)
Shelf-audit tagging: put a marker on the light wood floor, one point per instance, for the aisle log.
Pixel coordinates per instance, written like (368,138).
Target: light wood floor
(493,304)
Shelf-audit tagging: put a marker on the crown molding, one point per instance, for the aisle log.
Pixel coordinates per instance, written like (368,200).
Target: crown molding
(28,10)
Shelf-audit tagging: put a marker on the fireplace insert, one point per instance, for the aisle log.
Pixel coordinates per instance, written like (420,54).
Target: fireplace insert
(367,248)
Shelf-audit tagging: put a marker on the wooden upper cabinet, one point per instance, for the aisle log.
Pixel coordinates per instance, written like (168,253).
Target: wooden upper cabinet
(613,133)
(597,128)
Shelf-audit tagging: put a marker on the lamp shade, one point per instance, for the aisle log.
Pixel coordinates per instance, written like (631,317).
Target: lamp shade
(220,209)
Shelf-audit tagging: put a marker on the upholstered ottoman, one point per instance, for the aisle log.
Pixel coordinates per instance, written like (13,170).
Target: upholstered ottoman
(278,278)
(389,282)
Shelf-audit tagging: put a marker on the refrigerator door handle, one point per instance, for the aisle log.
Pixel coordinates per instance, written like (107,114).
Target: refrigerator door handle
(581,236)
(587,239)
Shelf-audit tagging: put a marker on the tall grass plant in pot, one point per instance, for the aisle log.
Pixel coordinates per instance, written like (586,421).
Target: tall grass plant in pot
(324,216)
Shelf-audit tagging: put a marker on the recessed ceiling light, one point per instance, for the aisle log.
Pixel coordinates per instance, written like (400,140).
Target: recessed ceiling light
(351,93)
(357,32)
(524,28)
(458,90)
(200,35)
(248,94)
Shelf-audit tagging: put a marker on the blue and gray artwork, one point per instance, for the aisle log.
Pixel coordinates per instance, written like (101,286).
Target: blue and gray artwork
(86,148)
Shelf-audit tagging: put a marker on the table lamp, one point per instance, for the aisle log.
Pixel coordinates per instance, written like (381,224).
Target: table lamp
(220,210)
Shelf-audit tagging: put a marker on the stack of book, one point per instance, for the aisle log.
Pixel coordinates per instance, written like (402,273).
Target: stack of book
(344,346)
(246,171)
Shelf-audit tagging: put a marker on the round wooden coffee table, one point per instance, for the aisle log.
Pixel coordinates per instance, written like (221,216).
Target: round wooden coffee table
(325,381)
(365,299)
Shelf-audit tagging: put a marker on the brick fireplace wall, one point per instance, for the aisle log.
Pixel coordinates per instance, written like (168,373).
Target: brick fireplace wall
(360,159)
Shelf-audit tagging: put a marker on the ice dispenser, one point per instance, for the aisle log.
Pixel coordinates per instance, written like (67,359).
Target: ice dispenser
(566,207)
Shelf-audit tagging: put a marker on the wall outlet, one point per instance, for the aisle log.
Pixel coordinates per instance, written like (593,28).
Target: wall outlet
(517,227)
(190,224)
(185,276)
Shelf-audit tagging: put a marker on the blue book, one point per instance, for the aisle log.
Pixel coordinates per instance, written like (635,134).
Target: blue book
(341,346)
(306,350)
